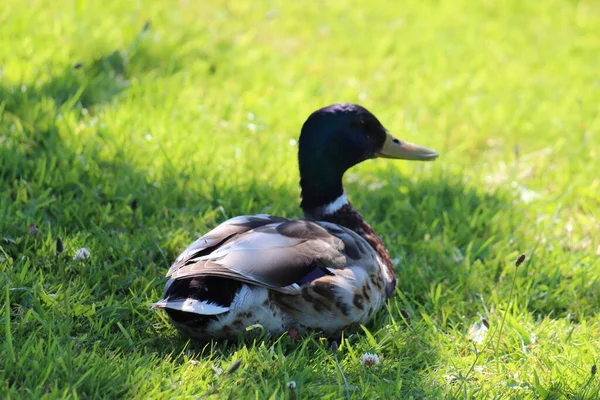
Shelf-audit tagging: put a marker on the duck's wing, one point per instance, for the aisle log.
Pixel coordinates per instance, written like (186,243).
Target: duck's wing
(273,252)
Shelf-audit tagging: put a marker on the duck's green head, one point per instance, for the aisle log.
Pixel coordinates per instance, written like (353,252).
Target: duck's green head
(337,137)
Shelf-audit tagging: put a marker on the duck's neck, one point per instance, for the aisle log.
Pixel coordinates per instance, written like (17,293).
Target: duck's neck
(321,188)
(341,212)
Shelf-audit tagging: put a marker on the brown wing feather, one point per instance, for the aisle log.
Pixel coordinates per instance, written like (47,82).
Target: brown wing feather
(272,252)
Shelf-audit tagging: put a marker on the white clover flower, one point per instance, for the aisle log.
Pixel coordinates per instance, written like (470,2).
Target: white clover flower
(291,385)
(82,254)
(369,359)
(478,332)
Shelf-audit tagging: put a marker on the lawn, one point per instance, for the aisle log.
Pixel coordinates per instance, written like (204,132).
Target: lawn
(131,128)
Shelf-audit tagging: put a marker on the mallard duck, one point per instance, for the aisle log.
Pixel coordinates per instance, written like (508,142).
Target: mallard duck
(326,272)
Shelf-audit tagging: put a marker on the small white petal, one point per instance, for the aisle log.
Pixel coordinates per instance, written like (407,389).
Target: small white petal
(477,332)
(369,359)
(291,385)
(82,254)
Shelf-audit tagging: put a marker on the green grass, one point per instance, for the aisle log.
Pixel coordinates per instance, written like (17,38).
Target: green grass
(194,117)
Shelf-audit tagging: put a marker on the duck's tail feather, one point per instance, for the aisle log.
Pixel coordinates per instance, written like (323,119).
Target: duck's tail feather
(190,305)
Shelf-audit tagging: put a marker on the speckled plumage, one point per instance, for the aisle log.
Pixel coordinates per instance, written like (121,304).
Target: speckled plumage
(326,272)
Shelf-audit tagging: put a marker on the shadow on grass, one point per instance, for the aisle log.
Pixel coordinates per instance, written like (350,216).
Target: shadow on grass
(86,83)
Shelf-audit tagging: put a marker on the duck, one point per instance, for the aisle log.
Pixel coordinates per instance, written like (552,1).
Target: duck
(325,272)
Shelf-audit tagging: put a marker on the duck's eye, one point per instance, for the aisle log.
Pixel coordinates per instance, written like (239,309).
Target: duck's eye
(396,141)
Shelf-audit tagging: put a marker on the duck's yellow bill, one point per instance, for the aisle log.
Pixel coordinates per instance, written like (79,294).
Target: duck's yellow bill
(395,148)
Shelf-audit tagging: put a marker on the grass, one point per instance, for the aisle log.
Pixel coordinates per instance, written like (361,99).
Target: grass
(193,118)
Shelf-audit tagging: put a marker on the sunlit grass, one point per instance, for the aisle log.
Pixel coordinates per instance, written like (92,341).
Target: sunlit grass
(191,110)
